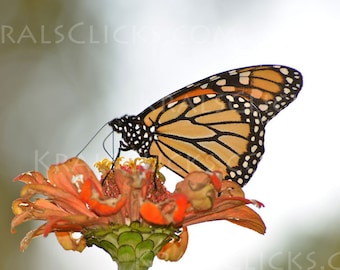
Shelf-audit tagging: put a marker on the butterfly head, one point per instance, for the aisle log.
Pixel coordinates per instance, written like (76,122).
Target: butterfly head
(118,124)
(135,134)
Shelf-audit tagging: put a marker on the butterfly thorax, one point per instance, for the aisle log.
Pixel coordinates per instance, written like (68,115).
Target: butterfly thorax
(135,134)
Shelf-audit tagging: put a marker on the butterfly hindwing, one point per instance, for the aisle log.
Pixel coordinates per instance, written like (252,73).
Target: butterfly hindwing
(210,132)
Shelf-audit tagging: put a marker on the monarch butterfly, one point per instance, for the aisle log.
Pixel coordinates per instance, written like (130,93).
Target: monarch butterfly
(213,124)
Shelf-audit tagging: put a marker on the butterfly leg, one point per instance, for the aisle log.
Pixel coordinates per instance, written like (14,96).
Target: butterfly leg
(122,147)
(155,172)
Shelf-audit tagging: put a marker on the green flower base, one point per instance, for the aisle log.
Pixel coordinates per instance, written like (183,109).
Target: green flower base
(133,247)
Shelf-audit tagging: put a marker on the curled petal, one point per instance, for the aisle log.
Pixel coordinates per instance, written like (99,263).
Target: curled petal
(246,217)
(231,189)
(175,249)
(41,209)
(68,242)
(106,207)
(31,178)
(29,236)
(171,211)
(102,207)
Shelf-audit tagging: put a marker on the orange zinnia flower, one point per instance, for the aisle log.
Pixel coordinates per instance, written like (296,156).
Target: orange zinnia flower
(129,212)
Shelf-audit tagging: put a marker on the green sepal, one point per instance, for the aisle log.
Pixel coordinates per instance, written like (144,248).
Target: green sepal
(133,247)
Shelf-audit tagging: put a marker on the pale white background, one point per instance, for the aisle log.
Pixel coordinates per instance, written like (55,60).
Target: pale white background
(95,60)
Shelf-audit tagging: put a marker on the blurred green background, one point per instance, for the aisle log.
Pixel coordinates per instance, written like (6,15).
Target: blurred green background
(67,67)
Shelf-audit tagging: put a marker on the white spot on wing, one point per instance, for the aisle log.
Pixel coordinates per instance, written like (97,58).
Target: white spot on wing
(253,148)
(263,107)
(172,104)
(230,98)
(196,100)
(284,71)
(221,82)
(204,86)
(289,80)
(247,111)
(214,78)
(244,78)
(286,90)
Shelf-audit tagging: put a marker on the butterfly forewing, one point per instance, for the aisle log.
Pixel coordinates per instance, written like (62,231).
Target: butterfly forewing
(214,124)
(269,88)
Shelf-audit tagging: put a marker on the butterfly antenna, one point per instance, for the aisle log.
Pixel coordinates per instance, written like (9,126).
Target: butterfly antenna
(99,130)
(104,147)
(111,156)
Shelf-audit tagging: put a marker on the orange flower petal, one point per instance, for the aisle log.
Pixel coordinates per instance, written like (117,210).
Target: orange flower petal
(246,217)
(151,213)
(86,191)
(216,180)
(232,209)
(181,207)
(61,175)
(108,207)
(64,199)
